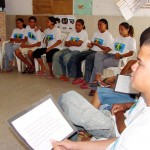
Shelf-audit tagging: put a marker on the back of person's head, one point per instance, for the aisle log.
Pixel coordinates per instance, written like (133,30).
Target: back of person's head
(129,27)
(105,22)
(82,22)
(22,21)
(145,35)
(32,18)
(52,19)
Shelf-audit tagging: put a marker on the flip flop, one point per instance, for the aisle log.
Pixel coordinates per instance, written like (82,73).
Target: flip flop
(99,83)
(78,81)
(84,86)
(51,77)
(41,73)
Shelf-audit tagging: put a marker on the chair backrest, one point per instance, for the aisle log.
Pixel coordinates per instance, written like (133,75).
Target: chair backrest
(63,38)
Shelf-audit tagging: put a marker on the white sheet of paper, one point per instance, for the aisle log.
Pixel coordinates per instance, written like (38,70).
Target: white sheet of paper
(123,85)
(42,124)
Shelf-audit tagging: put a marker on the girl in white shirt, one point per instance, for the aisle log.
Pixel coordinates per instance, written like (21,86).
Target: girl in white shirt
(75,43)
(17,37)
(53,38)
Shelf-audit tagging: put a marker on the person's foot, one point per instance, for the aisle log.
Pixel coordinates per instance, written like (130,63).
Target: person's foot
(51,77)
(41,73)
(85,85)
(99,83)
(78,81)
(63,78)
(26,70)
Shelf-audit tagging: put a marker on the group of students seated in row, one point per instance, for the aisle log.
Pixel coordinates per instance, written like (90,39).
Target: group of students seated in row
(101,52)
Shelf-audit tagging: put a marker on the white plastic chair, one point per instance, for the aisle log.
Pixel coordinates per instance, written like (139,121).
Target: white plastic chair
(122,63)
(63,38)
(2,52)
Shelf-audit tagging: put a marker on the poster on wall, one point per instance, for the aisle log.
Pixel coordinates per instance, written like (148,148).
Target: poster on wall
(129,7)
(66,23)
(82,7)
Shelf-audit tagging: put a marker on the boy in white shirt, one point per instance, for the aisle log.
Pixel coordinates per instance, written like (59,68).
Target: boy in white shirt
(34,39)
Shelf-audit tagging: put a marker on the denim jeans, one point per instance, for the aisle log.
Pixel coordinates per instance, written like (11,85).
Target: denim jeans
(65,59)
(99,123)
(9,53)
(109,97)
(76,71)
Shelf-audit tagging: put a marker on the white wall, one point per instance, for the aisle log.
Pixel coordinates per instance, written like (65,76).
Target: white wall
(18,7)
(100,7)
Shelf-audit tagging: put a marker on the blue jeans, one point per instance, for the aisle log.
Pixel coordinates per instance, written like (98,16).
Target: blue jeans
(76,71)
(9,53)
(99,123)
(65,59)
(109,97)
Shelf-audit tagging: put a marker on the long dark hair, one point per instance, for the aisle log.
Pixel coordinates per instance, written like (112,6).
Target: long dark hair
(53,20)
(129,27)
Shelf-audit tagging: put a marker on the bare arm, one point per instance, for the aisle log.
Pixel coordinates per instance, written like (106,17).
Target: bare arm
(53,46)
(96,145)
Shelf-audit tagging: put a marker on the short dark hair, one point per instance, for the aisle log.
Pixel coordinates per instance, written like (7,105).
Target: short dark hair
(105,22)
(145,35)
(32,18)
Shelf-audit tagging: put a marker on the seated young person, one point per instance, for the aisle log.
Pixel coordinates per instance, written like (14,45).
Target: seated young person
(16,39)
(138,120)
(53,38)
(75,43)
(34,39)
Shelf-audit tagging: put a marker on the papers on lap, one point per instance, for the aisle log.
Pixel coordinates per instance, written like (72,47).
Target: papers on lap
(40,123)
(123,85)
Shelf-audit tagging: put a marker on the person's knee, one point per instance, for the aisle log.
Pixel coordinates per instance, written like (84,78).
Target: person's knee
(17,52)
(30,53)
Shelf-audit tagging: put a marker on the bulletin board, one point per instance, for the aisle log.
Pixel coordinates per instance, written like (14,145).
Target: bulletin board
(63,7)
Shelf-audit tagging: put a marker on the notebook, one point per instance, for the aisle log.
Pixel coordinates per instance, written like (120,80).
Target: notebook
(123,85)
(41,122)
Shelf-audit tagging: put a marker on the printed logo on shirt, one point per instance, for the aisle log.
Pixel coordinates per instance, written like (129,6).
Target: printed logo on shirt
(119,47)
(75,39)
(99,41)
(49,37)
(17,35)
(31,36)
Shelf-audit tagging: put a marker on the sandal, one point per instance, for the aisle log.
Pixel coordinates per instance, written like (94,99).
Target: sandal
(31,70)
(26,70)
(78,81)
(84,136)
(51,77)
(85,85)
(92,92)
(41,73)
(99,83)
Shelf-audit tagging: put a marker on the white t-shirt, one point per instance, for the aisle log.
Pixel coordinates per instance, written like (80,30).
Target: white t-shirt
(137,134)
(104,39)
(18,33)
(52,36)
(76,36)
(123,45)
(32,35)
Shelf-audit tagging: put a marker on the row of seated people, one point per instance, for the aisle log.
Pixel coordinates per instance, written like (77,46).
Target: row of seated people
(104,51)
